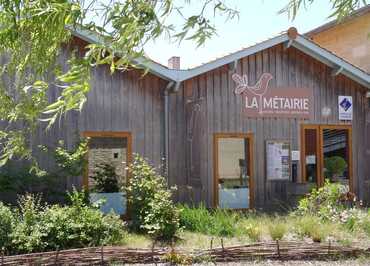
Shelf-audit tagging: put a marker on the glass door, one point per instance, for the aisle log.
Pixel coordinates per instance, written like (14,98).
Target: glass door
(336,147)
(233,171)
(326,154)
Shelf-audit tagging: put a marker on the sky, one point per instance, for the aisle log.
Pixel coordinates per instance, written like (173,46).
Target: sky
(258,21)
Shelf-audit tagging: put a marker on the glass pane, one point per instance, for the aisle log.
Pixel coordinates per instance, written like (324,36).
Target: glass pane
(336,154)
(107,157)
(233,173)
(310,142)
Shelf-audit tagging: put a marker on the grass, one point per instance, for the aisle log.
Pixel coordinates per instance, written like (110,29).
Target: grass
(202,228)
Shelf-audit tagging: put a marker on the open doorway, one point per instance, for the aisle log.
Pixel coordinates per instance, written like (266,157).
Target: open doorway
(327,154)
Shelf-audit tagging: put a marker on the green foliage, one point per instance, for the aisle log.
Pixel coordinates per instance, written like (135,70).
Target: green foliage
(6,226)
(254,232)
(34,33)
(28,233)
(334,166)
(323,202)
(218,222)
(311,226)
(106,179)
(151,206)
(41,228)
(73,162)
(278,229)
(341,8)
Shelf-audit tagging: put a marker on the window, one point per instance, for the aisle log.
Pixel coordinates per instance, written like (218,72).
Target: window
(326,153)
(113,149)
(233,172)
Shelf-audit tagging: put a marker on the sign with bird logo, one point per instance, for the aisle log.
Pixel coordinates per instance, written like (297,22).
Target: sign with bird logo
(260,100)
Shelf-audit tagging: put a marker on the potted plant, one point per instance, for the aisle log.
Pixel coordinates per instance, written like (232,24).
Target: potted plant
(106,190)
(334,168)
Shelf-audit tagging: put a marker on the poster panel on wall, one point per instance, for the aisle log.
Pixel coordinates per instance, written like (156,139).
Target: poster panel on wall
(278,160)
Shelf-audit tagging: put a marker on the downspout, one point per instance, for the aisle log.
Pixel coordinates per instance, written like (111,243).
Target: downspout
(171,87)
(166,128)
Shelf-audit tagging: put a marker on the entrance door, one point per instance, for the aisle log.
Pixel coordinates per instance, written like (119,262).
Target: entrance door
(327,154)
(233,171)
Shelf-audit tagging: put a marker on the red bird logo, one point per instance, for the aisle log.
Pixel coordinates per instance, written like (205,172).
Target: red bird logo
(259,89)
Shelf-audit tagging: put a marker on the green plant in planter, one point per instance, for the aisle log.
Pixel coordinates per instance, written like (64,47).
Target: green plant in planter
(334,167)
(106,179)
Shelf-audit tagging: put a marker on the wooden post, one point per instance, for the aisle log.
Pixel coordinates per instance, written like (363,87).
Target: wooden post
(56,256)
(211,242)
(329,247)
(2,256)
(278,248)
(222,244)
(102,255)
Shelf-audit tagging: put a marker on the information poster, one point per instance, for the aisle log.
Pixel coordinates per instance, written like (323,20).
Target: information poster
(278,160)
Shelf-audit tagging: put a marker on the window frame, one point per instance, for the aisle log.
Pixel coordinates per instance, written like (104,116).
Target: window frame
(320,150)
(216,137)
(106,134)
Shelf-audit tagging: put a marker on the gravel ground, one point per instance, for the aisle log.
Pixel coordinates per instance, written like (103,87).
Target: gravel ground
(360,262)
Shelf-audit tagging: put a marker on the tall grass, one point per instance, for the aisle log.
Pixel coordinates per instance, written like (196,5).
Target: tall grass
(217,222)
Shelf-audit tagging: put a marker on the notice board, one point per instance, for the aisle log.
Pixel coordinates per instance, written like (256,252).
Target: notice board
(278,160)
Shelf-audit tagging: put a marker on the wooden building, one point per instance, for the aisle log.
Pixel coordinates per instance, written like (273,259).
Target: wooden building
(348,38)
(248,130)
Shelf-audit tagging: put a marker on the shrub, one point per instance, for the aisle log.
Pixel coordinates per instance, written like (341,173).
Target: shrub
(223,223)
(254,232)
(311,226)
(334,166)
(323,202)
(106,179)
(277,229)
(218,222)
(6,226)
(43,228)
(28,232)
(152,209)
(196,219)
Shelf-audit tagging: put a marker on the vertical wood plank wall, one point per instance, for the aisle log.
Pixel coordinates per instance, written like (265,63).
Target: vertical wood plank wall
(124,101)
(221,113)
(206,105)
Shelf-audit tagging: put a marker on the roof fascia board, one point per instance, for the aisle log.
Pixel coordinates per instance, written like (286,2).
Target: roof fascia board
(331,60)
(184,75)
(154,68)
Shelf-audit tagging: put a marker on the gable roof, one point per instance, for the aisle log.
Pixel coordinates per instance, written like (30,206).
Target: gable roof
(331,24)
(298,41)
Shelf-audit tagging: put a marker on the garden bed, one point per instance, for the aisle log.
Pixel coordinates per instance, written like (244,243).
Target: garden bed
(280,250)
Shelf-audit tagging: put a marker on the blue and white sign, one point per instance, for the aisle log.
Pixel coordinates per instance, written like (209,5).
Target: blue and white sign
(345,107)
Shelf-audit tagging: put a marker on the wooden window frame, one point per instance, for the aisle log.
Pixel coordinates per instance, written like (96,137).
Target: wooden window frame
(106,134)
(319,147)
(218,136)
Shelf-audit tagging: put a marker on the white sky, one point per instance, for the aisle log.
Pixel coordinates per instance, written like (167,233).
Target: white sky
(258,21)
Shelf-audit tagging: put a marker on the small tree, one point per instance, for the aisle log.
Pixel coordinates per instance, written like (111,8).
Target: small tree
(152,209)
(106,179)
(334,167)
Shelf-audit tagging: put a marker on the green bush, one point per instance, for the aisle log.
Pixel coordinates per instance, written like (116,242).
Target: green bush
(277,229)
(218,222)
(323,202)
(6,226)
(150,201)
(196,219)
(28,232)
(311,226)
(334,166)
(106,179)
(42,228)
(254,232)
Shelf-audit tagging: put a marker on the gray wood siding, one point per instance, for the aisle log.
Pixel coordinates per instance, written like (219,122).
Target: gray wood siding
(222,114)
(125,101)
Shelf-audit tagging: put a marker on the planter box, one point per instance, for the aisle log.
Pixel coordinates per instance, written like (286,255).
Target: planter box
(115,202)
